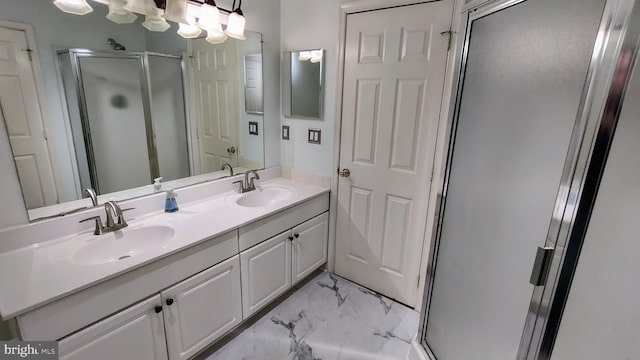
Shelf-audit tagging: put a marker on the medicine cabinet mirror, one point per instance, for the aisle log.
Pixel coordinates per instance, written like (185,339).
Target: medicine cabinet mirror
(303,83)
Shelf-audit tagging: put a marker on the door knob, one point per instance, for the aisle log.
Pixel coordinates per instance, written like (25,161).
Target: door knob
(345,173)
(231,150)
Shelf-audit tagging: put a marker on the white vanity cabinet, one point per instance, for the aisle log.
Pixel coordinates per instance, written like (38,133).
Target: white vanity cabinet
(273,266)
(134,333)
(201,309)
(309,246)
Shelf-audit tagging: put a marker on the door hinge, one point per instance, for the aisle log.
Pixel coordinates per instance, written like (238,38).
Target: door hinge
(449,35)
(44,134)
(544,256)
(29,54)
(418,280)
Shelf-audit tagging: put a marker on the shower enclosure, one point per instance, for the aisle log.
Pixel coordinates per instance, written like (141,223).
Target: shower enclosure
(538,84)
(128,117)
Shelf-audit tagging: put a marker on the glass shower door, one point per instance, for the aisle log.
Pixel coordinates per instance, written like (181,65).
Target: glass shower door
(116,133)
(526,66)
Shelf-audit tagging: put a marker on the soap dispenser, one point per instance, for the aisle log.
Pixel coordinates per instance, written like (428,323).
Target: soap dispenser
(157,185)
(171,205)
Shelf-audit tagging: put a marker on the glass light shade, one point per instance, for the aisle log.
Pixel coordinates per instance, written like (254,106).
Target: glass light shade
(154,22)
(235,28)
(106,2)
(209,17)
(191,30)
(144,7)
(118,14)
(76,7)
(216,36)
(316,56)
(176,11)
(304,55)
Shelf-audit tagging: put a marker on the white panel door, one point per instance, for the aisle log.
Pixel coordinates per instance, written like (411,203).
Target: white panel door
(23,120)
(134,333)
(214,78)
(395,61)
(309,246)
(202,308)
(266,272)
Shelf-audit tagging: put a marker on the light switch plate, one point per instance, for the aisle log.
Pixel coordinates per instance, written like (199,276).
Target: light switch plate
(253,128)
(314,136)
(285,132)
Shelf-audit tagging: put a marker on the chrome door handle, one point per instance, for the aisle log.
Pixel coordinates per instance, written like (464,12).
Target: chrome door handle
(344,173)
(231,150)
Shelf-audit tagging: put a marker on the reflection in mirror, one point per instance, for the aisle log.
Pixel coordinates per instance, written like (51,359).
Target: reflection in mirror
(88,103)
(303,87)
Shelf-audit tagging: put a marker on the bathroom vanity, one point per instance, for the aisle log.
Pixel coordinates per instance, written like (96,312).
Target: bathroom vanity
(169,285)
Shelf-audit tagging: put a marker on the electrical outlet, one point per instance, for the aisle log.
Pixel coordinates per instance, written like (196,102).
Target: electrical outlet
(253,128)
(285,132)
(314,136)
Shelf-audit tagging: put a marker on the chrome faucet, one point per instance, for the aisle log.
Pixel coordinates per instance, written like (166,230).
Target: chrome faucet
(92,195)
(111,208)
(227,165)
(248,184)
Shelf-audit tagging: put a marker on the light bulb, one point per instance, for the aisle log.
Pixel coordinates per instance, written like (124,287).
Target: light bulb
(191,30)
(235,28)
(76,7)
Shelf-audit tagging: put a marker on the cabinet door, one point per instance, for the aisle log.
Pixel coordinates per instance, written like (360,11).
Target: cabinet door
(266,272)
(202,308)
(309,246)
(134,333)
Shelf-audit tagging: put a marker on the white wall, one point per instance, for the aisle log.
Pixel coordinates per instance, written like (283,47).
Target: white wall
(310,24)
(602,316)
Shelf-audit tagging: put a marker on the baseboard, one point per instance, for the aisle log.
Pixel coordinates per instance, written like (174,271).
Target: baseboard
(417,352)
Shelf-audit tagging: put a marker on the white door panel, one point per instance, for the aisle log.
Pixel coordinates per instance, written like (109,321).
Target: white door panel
(216,103)
(309,246)
(23,120)
(395,61)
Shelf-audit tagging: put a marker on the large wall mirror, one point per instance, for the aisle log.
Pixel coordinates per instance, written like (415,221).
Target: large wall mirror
(89,103)
(303,83)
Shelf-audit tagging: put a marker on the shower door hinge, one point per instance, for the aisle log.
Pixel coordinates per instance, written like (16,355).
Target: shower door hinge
(449,35)
(540,270)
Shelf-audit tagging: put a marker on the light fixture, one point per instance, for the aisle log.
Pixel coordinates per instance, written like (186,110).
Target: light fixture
(154,22)
(118,14)
(143,7)
(216,37)
(76,7)
(304,55)
(235,28)
(106,2)
(191,30)
(209,16)
(316,56)
(176,11)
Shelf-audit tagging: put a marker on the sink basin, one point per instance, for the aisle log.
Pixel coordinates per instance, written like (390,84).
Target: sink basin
(121,245)
(265,196)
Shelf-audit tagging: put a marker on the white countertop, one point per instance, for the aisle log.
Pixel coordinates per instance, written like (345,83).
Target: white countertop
(42,273)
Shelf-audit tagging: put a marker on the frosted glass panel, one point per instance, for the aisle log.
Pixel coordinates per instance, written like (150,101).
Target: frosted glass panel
(609,257)
(526,70)
(168,114)
(113,92)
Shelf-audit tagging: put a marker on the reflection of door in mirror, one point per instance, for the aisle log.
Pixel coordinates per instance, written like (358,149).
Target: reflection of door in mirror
(215,100)
(20,110)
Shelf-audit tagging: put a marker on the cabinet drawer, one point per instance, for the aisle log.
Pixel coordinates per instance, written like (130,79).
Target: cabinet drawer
(69,314)
(134,333)
(270,226)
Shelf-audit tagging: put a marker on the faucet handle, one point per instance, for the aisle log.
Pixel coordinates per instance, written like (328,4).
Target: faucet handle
(99,227)
(241,187)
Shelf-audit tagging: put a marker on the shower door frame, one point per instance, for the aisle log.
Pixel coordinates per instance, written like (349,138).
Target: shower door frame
(145,88)
(619,30)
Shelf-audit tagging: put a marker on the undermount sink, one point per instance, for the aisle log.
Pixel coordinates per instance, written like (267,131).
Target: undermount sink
(120,245)
(265,196)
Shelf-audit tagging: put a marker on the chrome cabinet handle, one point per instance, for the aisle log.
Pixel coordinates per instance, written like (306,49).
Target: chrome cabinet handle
(344,173)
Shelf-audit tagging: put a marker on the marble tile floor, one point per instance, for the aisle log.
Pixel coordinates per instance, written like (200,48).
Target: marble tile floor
(328,318)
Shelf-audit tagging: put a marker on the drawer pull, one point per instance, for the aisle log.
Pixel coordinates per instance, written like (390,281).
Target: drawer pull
(169,302)
(158,309)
